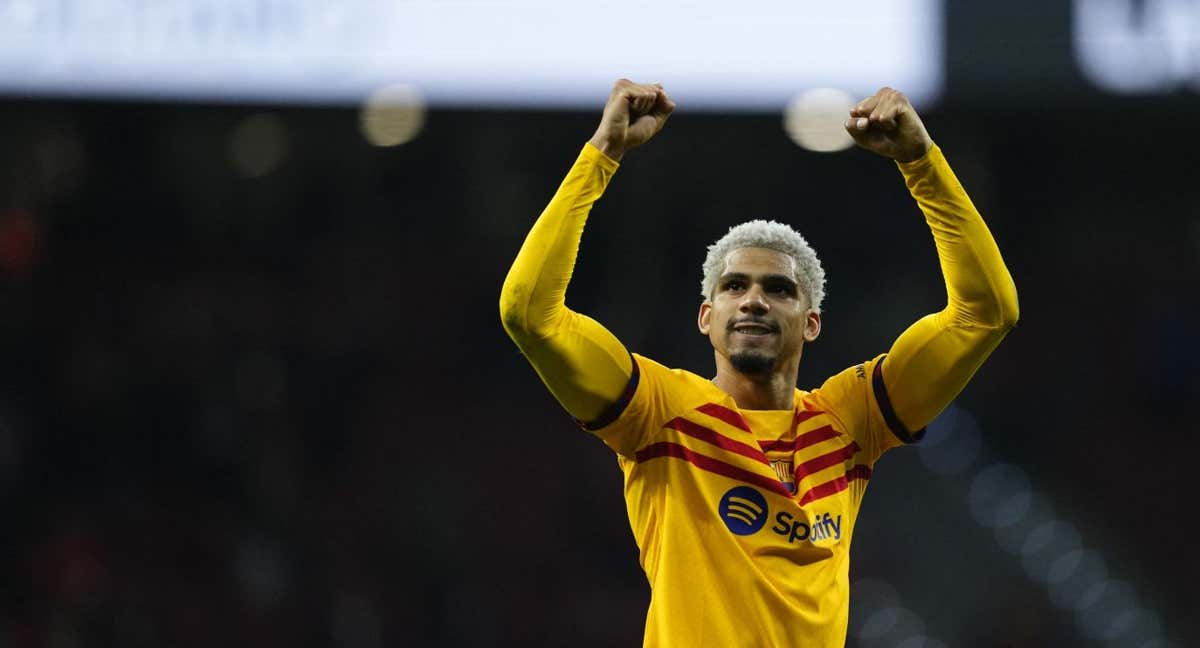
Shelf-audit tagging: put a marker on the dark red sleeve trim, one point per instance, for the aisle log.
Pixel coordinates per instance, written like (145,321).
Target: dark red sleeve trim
(614,411)
(885,407)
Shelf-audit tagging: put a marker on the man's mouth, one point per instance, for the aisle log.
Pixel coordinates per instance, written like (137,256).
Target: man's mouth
(752,328)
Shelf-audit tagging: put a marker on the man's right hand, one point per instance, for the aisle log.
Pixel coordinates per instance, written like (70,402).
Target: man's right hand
(635,112)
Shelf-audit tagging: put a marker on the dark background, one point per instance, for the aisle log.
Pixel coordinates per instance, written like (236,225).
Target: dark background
(281,410)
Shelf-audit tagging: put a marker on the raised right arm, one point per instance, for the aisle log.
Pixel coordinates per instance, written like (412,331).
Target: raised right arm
(582,363)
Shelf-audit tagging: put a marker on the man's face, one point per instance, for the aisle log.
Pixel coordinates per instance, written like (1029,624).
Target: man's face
(757,317)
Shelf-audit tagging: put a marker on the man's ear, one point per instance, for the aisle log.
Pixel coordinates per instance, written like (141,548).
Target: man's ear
(702,320)
(812,326)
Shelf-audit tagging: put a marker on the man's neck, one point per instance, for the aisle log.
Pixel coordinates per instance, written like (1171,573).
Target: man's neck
(773,391)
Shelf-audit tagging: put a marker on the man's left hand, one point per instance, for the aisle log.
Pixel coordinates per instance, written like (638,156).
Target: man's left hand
(887,124)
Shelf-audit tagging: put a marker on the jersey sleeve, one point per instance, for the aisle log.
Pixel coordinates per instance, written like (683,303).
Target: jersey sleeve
(889,400)
(859,400)
(632,422)
(935,357)
(581,362)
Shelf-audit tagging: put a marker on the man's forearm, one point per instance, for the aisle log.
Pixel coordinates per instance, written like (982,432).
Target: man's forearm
(934,358)
(533,298)
(534,293)
(583,364)
(980,290)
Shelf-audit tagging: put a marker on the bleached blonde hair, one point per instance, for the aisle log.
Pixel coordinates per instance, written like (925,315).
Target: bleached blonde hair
(810,276)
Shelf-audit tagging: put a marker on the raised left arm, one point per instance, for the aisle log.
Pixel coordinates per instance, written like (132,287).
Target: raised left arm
(931,362)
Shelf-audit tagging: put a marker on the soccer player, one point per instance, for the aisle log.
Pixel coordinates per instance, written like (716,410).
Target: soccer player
(742,490)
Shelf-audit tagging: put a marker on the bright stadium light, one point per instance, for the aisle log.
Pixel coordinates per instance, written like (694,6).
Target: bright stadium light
(392,115)
(814,120)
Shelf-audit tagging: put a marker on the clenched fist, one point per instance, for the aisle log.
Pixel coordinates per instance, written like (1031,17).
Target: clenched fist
(887,124)
(635,112)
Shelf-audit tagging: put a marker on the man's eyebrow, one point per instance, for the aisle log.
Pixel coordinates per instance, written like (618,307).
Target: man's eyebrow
(778,278)
(767,278)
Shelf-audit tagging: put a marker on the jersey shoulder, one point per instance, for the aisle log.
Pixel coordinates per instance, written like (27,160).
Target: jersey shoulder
(857,399)
(655,395)
(680,381)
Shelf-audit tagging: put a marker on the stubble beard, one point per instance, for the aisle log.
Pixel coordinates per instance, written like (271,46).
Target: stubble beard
(752,364)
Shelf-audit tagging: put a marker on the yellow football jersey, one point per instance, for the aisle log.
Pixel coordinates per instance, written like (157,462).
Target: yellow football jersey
(744,517)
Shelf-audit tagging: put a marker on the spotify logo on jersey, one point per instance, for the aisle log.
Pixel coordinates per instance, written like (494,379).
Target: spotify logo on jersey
(743,509)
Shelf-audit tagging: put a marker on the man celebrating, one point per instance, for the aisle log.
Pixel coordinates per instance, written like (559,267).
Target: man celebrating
(742,490)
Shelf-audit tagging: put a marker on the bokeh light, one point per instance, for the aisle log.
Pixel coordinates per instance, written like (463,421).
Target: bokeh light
(258,145)
(951,442)
(1000,495)
(815,119)
(871,596)
(1045,545)
(392,115)
(1107,602)
(1072,575)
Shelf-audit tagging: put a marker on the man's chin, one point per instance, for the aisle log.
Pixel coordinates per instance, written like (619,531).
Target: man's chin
(754,364)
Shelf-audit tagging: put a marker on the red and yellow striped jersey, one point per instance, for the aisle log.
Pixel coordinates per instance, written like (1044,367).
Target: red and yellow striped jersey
(744,517)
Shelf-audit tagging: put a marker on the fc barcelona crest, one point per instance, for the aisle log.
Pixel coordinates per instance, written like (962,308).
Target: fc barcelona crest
(783,470)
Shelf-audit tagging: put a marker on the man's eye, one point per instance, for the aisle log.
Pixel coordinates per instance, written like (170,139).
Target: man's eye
(734,285)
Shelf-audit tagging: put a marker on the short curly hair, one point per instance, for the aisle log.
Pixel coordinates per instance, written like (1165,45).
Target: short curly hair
(810,276)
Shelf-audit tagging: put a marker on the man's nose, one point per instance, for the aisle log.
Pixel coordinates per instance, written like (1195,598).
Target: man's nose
(754,301)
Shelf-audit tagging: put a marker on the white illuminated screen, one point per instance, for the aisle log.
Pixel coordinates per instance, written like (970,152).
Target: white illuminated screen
(727,55)
(1138,46)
